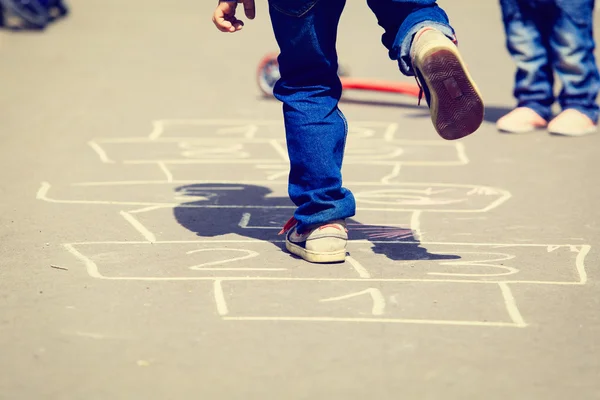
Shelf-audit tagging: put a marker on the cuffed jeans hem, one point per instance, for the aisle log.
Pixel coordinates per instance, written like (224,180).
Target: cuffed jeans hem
(401,51)
(543,111)
(341,211)
(591,113)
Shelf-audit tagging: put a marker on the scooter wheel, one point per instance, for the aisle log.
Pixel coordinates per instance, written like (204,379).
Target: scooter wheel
(268,74)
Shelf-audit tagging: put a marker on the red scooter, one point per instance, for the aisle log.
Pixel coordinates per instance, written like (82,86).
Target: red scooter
(268,74)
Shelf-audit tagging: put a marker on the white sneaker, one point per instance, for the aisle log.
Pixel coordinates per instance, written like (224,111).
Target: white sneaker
(325,243)
(521,120)
(571,122)
(455,104)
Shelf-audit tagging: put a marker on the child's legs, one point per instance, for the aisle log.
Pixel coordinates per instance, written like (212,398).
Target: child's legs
(527,40)
(573,45)
(310,89)
(401,19)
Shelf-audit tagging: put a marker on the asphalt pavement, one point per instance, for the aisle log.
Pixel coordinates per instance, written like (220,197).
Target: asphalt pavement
(144,184)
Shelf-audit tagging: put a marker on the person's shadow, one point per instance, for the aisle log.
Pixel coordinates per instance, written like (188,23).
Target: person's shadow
(248,210)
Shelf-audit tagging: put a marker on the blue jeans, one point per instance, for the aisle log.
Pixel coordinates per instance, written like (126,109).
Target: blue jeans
(553,36)
(309,87)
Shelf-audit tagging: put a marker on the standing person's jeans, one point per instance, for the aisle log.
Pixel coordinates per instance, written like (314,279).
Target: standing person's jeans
(309,87)
(547,36)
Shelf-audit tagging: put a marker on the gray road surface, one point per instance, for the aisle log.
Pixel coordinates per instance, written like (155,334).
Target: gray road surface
(138,159)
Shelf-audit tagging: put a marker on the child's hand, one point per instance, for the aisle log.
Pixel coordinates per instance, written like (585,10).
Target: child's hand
(224,16)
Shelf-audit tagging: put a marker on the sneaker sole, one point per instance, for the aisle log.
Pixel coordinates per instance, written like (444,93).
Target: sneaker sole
(457,108)
(314,257)
(522,131)
(576,134)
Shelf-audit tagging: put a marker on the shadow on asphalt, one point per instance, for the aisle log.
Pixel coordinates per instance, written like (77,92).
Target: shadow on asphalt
(248,210)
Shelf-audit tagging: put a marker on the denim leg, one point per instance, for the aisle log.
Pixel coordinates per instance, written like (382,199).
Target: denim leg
(572,42)
(309,87)
(401,19)
(527,40)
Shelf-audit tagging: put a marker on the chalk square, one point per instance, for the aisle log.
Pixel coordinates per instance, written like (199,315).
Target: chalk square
(399,302)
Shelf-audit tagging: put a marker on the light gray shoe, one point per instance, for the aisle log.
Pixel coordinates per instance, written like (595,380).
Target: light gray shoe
(571,122)
(325,243)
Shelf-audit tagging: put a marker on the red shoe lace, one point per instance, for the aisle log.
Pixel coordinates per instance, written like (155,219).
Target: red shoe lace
(288,225)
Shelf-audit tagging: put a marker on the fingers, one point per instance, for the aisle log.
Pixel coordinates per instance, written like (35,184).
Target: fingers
(224,17)
(224,25)
(229,25)
(249,8)
(237,25)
